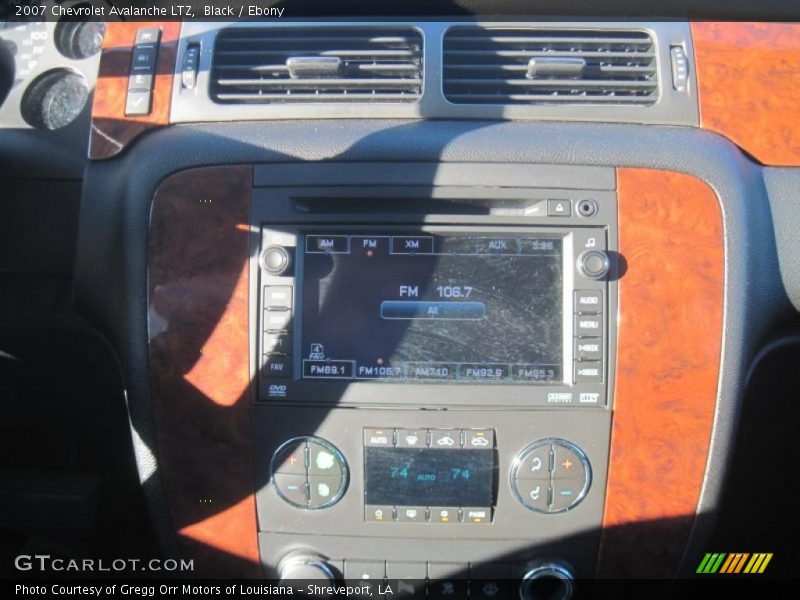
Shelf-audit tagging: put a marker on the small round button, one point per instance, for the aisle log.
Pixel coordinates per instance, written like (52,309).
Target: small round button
(275,260)
(594,264)
(309,473)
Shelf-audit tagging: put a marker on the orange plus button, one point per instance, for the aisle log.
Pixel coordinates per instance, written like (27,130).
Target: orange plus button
(568,463)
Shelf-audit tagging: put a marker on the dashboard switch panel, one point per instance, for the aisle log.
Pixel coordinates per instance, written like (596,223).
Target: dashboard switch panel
(142,74)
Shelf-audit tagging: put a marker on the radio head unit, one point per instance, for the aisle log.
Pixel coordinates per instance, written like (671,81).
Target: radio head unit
(348,307)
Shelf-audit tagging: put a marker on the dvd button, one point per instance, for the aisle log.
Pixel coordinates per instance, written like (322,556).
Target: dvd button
(411,514)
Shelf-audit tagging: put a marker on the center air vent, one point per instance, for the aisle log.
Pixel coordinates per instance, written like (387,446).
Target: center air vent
(549,66)
(316,64)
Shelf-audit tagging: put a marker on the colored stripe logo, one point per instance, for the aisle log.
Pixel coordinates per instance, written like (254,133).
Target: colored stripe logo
(737,562)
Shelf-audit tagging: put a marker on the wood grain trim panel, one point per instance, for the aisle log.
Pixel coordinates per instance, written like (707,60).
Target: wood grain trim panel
(748,77)
(199,366)
(111,130)
(668,359)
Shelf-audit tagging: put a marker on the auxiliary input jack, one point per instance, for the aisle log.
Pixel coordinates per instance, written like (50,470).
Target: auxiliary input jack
(587,208)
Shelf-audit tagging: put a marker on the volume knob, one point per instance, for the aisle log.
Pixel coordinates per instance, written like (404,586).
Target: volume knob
(594,264)
(276,260)
(305,567)
(547,580)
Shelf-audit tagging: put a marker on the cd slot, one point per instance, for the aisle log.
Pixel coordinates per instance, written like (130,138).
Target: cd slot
(406,205)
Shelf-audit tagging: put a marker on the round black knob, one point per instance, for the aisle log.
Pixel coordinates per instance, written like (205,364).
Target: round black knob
(594,264)
(547,580)
(305,567)
(276,260)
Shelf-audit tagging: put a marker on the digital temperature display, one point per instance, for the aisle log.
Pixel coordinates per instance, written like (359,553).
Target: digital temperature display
(429,477)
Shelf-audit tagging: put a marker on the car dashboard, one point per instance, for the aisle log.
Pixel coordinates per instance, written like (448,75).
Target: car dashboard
(465,305)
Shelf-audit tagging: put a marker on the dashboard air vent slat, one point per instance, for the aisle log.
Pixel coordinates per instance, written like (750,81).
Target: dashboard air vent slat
(549,66)
(316,64)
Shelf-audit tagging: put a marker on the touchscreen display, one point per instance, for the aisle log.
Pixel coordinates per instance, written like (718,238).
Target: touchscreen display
(423,307)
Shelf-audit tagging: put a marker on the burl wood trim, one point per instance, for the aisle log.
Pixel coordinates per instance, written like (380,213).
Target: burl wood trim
(668,358)
(112,131)
(199,365)
(748,77)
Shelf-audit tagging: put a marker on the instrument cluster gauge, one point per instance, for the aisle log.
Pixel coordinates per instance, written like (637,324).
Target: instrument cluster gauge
(47,69)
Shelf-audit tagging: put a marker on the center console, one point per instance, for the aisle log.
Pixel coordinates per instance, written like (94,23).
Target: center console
(434,379)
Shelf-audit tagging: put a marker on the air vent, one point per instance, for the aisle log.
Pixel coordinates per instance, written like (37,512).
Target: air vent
(319,64)
(549,66)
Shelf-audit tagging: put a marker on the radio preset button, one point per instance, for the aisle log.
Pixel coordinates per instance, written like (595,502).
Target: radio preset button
(379,514)
(589,372)
(479,438)
(588,301)
(412,438)
(412,514)
(278,296)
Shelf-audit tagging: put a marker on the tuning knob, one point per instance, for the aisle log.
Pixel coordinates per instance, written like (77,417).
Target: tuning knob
(305,566)
(547,580)
(594,264)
